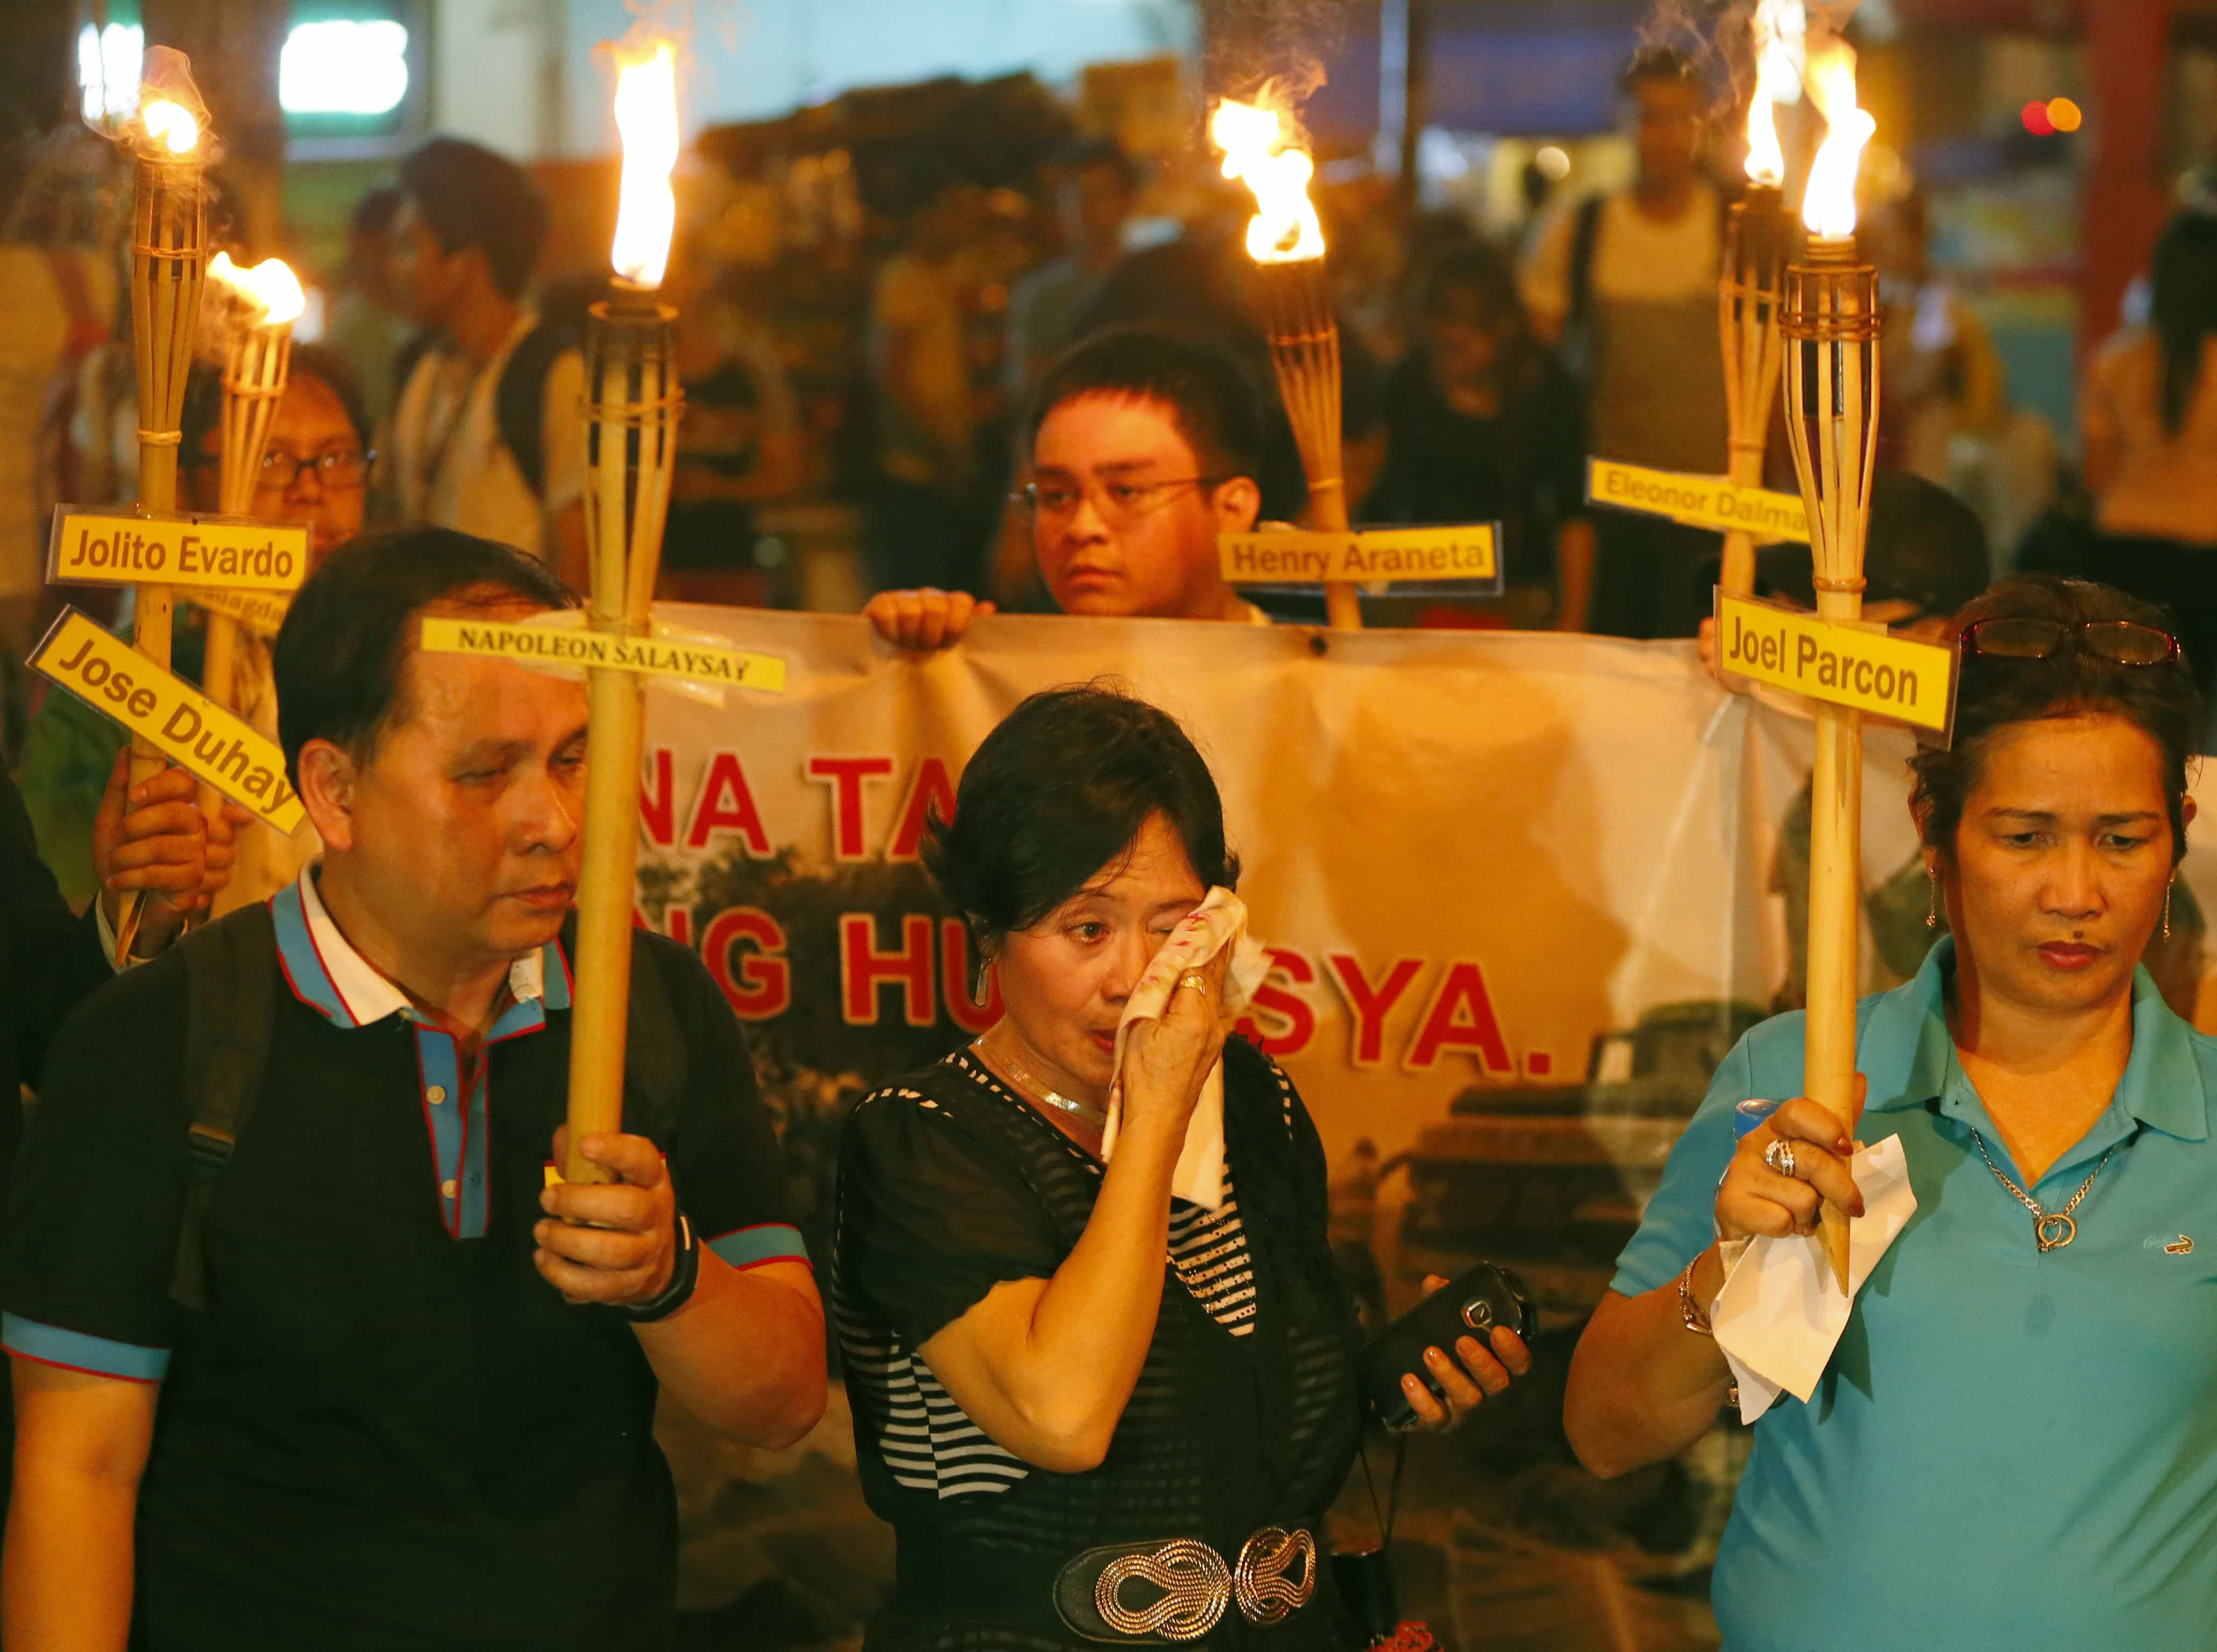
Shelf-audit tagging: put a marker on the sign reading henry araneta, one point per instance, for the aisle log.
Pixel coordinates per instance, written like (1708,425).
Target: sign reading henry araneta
(228,553)
(1285,556)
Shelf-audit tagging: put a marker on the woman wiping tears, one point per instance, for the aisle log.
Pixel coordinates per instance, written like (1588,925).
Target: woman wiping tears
(1102,1371)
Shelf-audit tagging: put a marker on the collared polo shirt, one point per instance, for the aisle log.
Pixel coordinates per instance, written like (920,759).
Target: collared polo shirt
(2008,1449)
(386,1431)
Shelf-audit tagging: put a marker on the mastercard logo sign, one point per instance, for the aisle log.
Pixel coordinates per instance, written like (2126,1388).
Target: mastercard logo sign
(2058,114)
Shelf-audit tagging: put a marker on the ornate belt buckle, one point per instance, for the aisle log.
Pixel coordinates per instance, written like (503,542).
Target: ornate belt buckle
(1260,1582)
(1195,1585)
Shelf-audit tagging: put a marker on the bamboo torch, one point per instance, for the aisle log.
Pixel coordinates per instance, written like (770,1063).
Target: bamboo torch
(1756,237)
(168,263)
(631,434)
(265,301)
(1286,240)
(1830,324)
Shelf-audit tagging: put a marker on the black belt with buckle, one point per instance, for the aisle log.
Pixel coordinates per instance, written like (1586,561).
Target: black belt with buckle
(1180,1589)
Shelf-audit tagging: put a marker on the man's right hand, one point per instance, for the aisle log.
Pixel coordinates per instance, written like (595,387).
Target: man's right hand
(923,620)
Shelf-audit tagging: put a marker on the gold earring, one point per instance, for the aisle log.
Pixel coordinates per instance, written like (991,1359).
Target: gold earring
(1932,903)
(2167,889)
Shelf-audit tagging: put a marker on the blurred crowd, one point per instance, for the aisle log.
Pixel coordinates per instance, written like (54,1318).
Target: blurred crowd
(864,324)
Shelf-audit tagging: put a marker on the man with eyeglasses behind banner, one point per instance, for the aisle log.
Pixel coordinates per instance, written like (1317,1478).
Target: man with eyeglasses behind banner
(1145,447)
(313,474)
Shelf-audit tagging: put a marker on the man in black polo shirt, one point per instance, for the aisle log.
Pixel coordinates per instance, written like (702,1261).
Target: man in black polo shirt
(416,1408)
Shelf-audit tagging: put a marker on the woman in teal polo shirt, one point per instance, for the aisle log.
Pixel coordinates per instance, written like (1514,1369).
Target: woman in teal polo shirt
(2015,1446)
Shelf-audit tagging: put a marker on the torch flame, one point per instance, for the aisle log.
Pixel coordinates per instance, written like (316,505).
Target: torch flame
(269,286)
(172,123)
(1780,27)
(646,210)
(1284,228)
(1829,210)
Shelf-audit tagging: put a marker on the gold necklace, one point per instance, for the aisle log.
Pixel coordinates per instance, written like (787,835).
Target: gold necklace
(1033,1089)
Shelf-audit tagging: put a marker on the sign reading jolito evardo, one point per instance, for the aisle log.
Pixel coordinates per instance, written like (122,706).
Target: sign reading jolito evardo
(1847,665)
(191,729)
(1291,555)
(227,553)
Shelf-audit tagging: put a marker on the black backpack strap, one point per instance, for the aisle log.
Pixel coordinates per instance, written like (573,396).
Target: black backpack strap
(654,1049)
(519,399)
(1585,236)
(231,984)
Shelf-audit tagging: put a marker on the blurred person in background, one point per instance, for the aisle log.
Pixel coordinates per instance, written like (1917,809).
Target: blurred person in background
(1943,376)
(740,444)
(1203,284)
(926,526)
(314,473)
(1482,425)
(363,322)
(486,438)
(2148,410)
(1627,283)
(1097,188)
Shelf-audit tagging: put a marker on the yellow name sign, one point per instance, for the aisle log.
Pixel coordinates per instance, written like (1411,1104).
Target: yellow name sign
(1889,677)
(258,611)
(1708,501)
(1381,555)
(545,645)
(230,553)
(193,731)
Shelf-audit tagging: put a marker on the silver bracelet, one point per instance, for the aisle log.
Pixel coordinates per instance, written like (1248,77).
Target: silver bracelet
(1689,1312)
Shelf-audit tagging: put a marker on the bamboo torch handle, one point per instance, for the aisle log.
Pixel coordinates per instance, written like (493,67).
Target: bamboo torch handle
(1835,936)
(152,608)
(602,1000)
(1328,511)
(1738,573)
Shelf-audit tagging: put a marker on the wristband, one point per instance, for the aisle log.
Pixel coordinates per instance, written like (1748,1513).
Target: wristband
(684,1274)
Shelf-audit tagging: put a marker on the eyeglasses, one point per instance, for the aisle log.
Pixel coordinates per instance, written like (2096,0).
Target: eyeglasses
(342,467)
(1120,503)
(2121,641)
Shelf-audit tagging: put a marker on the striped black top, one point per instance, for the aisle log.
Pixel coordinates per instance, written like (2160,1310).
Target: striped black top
(927,1441)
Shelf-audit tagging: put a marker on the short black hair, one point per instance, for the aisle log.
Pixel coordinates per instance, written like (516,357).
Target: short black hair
(1927,546)
(1099,152)
(340,652)
(2161,701)
(1652,63)
(374,210)
(1211,399)
(203,408)
(1057,792)
(471,197)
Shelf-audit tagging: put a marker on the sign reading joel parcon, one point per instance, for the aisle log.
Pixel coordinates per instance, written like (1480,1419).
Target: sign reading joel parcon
(1383,555)
(195,732)
(1887,677)
(231,553)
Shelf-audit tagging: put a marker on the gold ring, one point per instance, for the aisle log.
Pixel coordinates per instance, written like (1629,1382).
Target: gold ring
(1197,981)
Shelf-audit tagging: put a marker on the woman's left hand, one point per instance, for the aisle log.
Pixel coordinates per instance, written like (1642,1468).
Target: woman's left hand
(1472,1372)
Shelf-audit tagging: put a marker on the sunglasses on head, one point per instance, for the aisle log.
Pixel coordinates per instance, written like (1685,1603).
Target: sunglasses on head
(2121,641)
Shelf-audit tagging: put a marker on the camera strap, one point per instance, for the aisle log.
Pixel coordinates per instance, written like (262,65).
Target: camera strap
(1385,1515)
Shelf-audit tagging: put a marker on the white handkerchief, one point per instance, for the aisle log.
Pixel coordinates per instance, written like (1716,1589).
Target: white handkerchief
(1781,1313)
(1219,921)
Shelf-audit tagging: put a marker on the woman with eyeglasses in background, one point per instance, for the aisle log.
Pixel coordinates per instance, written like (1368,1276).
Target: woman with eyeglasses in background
(2014,1444)
(314,473)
